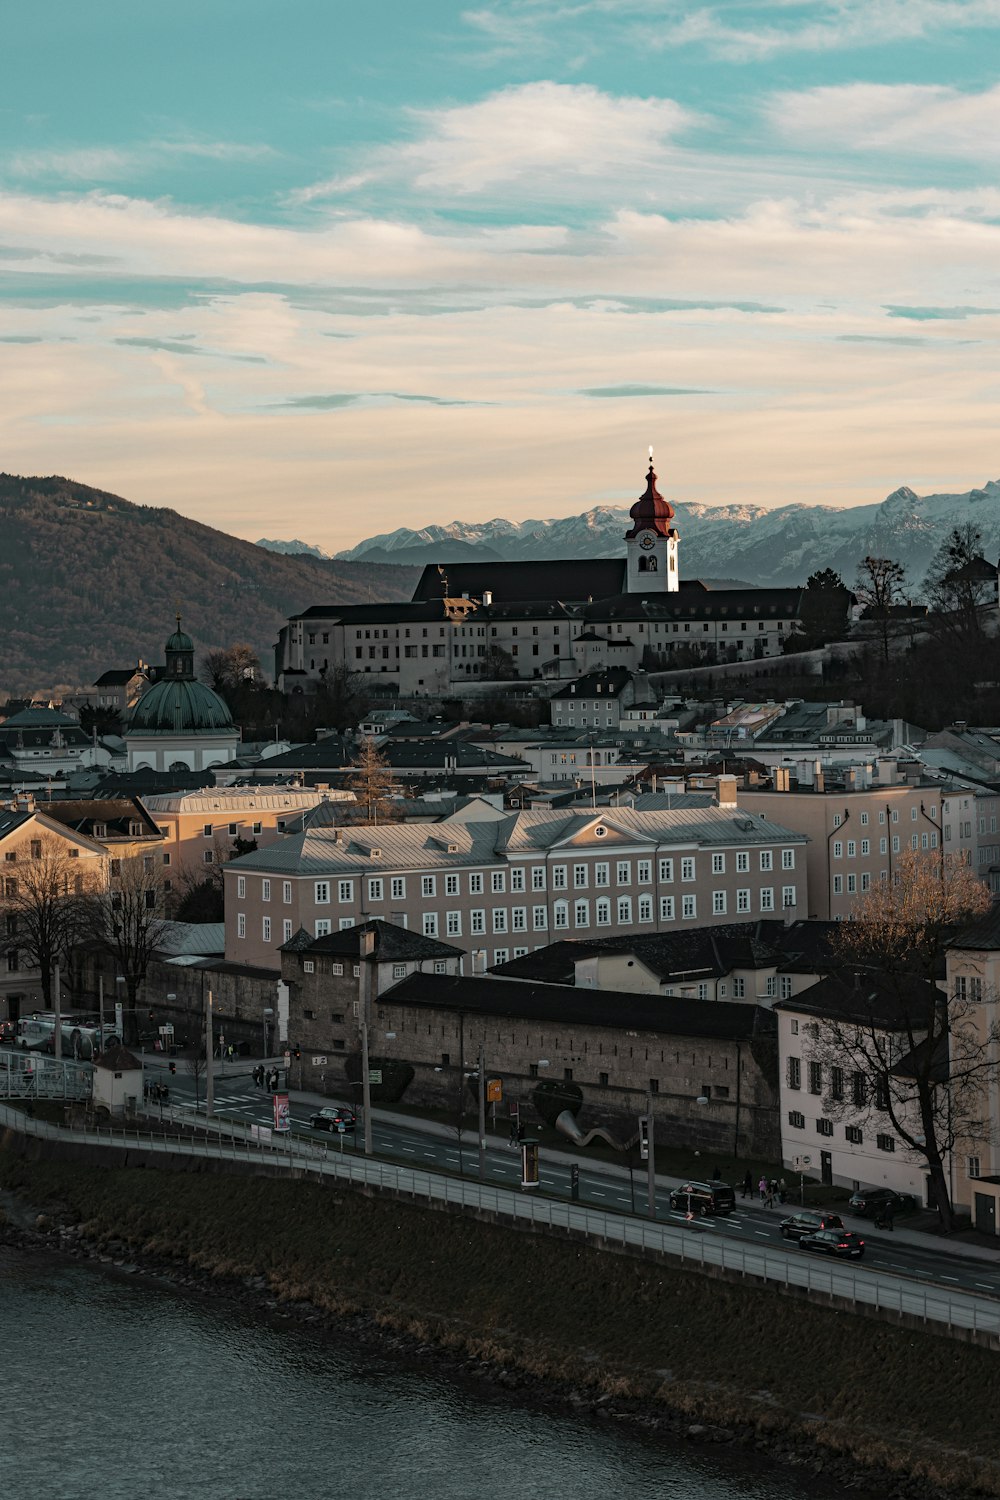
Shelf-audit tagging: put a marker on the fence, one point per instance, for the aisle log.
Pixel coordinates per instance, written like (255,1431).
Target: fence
(689,1245)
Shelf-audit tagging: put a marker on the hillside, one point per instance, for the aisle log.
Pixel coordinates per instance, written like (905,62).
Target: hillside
(766,547)
(89,581)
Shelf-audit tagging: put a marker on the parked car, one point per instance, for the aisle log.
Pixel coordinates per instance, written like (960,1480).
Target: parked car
(703,1198)
(872,1203)
(334,1119)
(842,1242)
(808,1223)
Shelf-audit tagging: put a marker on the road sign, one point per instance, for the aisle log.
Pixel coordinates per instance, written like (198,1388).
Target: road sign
(494,1091)
(288,1059)
(282,1113)
(644,1137)
(319,1062)
(374,1075)
(167,1030)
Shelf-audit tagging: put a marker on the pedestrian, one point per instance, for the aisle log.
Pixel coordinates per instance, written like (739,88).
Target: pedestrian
(717,1175)
(747,1186)
(782,1190)
(769,1196)
(762,1187)
(887,1214)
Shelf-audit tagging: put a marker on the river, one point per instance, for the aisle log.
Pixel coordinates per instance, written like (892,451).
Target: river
(122,1388)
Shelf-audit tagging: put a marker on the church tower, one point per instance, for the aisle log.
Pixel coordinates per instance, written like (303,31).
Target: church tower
(652,543)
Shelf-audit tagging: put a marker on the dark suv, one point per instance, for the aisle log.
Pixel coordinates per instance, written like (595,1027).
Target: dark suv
(703,1198)
(874,1203)
(809,1223)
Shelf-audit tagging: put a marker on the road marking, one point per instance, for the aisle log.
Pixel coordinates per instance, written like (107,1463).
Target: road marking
(763,1234)
(947,1278)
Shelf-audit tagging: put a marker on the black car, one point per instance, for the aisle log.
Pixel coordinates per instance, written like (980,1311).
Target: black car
(809,1223)
(875,1203)
(842,1242)
(337,1120)
(703,1198)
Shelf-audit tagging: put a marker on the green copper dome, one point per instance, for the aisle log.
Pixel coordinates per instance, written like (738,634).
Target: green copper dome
(179,707)
(180,640)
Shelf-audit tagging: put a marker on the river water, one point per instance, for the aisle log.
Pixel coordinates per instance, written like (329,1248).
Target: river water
(121,1388)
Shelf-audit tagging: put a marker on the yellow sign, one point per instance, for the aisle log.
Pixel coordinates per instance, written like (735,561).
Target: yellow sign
(494,1091)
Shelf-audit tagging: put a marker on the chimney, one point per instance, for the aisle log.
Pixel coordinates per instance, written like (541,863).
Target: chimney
(487,596)
(820,779)
(726,791)
(781,779)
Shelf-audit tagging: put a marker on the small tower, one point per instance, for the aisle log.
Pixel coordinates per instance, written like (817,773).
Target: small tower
(652,543)
(179,653)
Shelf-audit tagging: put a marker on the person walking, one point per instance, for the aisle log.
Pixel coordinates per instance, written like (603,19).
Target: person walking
(762,1187)
(747,1191)
(769,1196)
(782,1190)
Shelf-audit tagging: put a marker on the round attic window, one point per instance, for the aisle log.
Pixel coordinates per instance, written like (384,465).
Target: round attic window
(600,831)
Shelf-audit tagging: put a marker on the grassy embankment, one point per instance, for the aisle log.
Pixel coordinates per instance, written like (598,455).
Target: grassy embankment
(717,1351)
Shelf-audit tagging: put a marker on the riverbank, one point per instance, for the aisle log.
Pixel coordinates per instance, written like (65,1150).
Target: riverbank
(863,1402)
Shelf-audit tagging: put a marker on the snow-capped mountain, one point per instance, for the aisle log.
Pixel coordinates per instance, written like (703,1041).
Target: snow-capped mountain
(291,549)
(763,546)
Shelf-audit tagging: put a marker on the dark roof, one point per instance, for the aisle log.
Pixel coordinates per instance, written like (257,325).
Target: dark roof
(705,952)
(606,683)
(123,783)
(118,677)
(983,935)
(564,579)
(699,603)
(392,944)
(11,821)
(327,754)
(117,1059)
(867,998)
(616,1009)
(445,753)
(376,614)
(116,813)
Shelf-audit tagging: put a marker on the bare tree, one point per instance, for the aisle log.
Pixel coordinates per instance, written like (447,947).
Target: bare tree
(372,781)
(195,1066)
(959,584)
(899,1047)
(44,902)
(879,588)
(238,665)
(128,918)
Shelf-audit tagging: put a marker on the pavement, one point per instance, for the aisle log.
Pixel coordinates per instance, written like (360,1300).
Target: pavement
(918,1230)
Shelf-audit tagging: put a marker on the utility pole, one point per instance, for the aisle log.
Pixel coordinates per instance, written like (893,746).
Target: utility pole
(482,1113)
(650,1161)
(367,976)
(209,1079)
(57,1033)
(100,1008)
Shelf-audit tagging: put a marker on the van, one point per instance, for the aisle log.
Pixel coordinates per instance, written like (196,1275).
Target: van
(702,1198)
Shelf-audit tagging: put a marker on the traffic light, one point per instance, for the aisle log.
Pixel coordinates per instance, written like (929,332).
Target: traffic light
(644,1137)
(151,1015)
(173,1067)
(298,1052)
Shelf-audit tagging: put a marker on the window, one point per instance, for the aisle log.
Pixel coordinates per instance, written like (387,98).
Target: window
(519,919)
(559,877)
(501,955)
(787,896)
(767,898)
(785,986)
(972,1166)
(376,889)
(397,888)
(323,927)
(286,892)
(838,849)
(718,864)
(345,891)
(265,929)
(687,869)
(718,903)
(885,1142)
(476,884)
(560,914)
(689,907)
(645,908)
(336,969)
(623,872)
(815,1078)
(739,988)
(666,869)
(743,900)
(208,858)
(771,988)
(206,831)
(864,820)
(451,885)
(743,862)
(581,914)
(866,847)
(430,924)
(498,881)
(788,859)
(265,890)
(644,871)
(580,877)
(453,923)
(794,1074)
(854,1134)
(241,925)
(602,873)
(859,1090)
(538,877)
(796,1119)
(477,921)
(286,931)
(499,919)
(517,878)
(428,885)
(321,892)
(852,848)
(539,918)
(836,1084)
(766,859)
(838,885)
(602,1079)
(824,1127)
(241,886)
(881,1093)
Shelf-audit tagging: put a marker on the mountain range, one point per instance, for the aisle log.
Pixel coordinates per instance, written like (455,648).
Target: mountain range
(765,547)
(89,581)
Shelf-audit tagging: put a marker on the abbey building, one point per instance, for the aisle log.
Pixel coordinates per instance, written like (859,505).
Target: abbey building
(477,623)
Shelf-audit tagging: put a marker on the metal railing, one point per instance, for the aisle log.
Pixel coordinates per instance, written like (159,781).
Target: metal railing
(686,1244)
(29,1075)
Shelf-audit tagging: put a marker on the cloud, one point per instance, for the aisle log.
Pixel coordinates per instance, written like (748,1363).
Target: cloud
(629,391)
(21,338)
(915,118)
(320,403)
(331,403)
(115,163)
(936,314)
(823,26)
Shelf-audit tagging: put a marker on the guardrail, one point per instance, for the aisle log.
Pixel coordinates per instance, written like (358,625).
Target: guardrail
(688,1244)
(30,1075)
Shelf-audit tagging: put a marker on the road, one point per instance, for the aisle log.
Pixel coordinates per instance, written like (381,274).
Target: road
(238,1098)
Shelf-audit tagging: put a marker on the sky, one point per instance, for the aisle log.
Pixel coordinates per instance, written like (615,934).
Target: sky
(317,269)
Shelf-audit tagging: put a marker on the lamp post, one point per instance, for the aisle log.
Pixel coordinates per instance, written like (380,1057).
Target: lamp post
(209,1079)
(57,1032)
(650,1160)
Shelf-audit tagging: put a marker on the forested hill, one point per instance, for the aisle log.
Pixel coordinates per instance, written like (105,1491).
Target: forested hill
(89,581)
